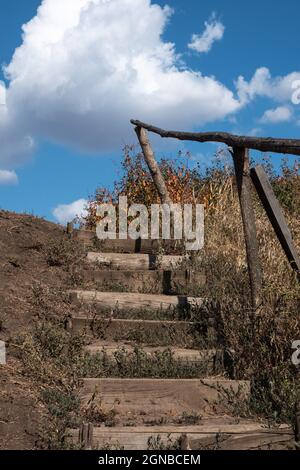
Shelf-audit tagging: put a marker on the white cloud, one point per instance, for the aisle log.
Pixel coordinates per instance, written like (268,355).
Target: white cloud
(274,116)
(214,31)
(16,142)
(8,177)
(86,67)
(256,132)
(2,97)
(262,84)
(65,213)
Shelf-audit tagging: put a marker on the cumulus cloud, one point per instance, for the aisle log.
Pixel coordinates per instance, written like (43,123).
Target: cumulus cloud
(2,97)
(16,142)
(277,115)
(214,31)
(86,67)
(65,213)
(8,177)
(262,84)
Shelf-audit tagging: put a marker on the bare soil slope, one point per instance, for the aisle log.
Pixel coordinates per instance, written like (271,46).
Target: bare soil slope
(24,272)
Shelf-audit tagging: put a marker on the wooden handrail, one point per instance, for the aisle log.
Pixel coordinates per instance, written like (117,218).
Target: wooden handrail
(264,144)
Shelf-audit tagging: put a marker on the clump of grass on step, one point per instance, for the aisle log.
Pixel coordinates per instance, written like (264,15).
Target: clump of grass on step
(94,411)
(138,363)
(189,418)
(158,443)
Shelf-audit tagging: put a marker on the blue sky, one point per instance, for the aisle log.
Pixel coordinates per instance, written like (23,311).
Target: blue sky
(63,166)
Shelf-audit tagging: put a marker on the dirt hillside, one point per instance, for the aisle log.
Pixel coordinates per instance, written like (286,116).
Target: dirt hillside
(27,274)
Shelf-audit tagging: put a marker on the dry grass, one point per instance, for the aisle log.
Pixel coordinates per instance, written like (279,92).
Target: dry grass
(263,349)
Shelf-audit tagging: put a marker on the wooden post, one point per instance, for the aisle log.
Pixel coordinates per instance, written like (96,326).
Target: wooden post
(184,442)
(242,170)
(275,214)
(69,325)
(153,166)
(70,229)
(86,432)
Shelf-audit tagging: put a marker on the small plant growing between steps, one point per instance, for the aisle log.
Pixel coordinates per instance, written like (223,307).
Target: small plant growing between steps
(189,418)
(94,411)
(157,443)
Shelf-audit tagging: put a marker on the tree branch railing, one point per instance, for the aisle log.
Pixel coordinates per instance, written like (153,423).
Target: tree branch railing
(263,144)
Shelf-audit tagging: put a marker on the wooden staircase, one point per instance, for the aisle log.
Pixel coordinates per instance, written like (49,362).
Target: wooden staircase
(136,306)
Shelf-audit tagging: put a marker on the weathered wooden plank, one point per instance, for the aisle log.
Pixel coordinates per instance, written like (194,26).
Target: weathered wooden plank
(89,238)
(127,261)
(242,170)
(275,214)
(210,360)
(150,332)
(216,435)
(85,438)
(115,301)
(191,355)
(158,281)
(262,440)
(156,399)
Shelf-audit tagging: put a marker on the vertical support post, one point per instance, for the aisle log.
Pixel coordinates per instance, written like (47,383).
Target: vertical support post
(242,170)
(70,229)
(184,442)
(153,166)
(86,433)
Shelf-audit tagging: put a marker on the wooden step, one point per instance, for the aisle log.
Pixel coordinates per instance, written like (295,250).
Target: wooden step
(221,433)
(190,355)
(202,362)
(270,439)
(152,332)
(90,240)
(139,401)
(155,281)
(115,301)
(134,261)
